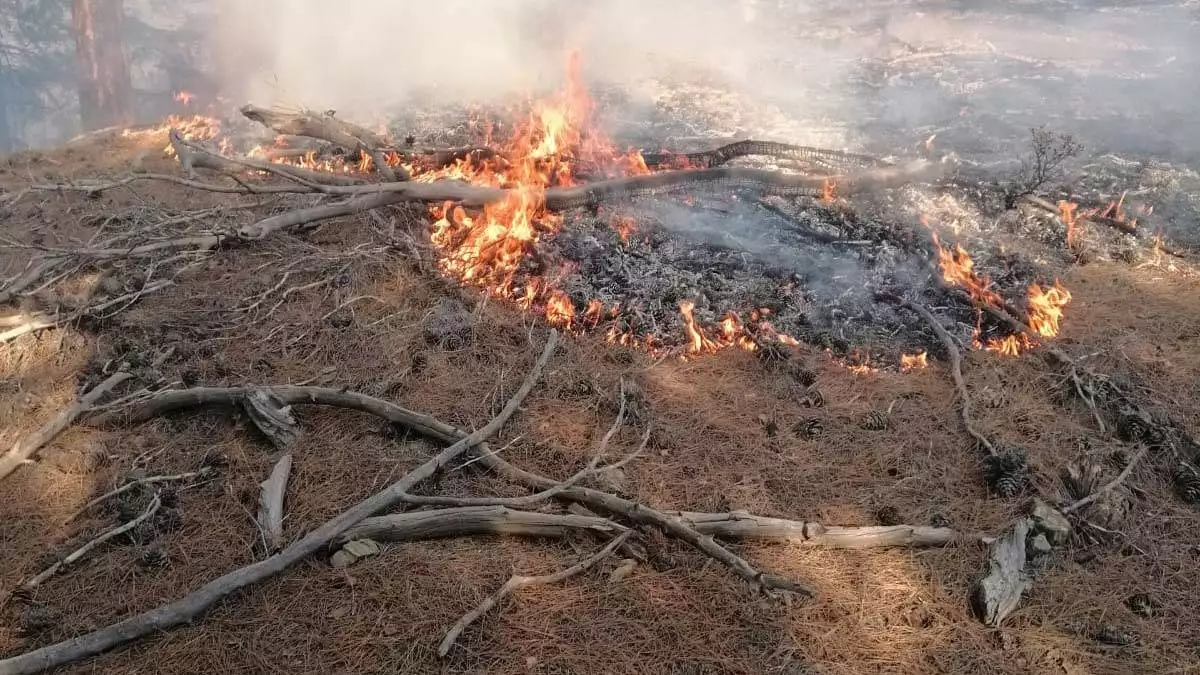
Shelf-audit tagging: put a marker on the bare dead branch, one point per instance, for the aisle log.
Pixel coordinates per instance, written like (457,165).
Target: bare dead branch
(469,520)
(742,525)
(192,605)
(433,428)
(78,553)
(517,582)
(44,322)
(24,450)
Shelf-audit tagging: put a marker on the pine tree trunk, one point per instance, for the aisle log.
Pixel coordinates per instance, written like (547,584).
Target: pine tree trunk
(105,90)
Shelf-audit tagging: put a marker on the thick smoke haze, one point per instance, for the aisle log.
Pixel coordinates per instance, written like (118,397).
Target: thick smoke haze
(1123,75)
(371,54)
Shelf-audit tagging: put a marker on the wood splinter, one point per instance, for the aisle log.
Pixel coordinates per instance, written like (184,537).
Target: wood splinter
(270,503)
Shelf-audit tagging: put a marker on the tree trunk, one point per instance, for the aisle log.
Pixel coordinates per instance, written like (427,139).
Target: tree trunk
(105,90)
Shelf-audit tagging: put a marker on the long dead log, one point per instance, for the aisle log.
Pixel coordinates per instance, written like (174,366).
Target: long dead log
(187,608)
(739,525)
(470,520)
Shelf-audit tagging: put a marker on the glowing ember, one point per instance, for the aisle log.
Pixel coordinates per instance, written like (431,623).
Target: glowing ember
(911,362)
(625,227)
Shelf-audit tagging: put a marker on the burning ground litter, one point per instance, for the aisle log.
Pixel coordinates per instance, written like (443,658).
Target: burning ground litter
(688,274)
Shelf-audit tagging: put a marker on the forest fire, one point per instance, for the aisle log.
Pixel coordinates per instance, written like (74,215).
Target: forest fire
(1044,312)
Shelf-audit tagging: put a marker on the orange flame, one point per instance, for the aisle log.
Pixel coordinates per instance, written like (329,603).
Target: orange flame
(911,362)
(958,268)
(184,97)
(1046,308)
(1067,210)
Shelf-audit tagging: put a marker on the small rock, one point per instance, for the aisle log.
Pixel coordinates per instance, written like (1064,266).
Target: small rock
(1040,545)
(353,551)
(1050,522)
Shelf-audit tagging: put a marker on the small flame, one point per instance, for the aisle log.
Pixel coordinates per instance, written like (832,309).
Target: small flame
(625,227)
(911,362)
(184,97)
(698,343)
(1068,212)
(1046,308)
(828,190)
(958,268)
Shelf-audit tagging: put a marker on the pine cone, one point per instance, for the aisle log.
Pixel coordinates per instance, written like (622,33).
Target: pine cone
(154,558)
(1116,636)
(802,375)
(875,421)
(1142,604)
(888,515)
(813,399)
(1187,483)
(808,429)
(169,496)
(1007,473)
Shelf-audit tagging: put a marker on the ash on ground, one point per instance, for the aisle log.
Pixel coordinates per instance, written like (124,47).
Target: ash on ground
(814,275)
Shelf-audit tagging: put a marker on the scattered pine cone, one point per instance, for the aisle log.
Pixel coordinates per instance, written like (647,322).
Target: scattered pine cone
(875,421)
(169,496)
(1116,636)
(808,429)
(802,375)
(888,516)
(1187,483)
(1142,604)
(813,399)
(36,619)
(154,558)
(1007,473)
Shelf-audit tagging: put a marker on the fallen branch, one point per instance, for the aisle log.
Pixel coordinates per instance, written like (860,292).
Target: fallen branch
(189,607)
(517,582)
(78,553)
(996,595)
(433,428)
(955,366)
(23,451)
(470,520)
(270,503)
(151,480)
(193,156)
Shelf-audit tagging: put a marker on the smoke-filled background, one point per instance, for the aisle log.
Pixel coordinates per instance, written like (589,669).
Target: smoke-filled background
(875,75)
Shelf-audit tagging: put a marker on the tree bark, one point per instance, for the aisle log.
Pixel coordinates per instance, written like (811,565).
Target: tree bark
(105,89)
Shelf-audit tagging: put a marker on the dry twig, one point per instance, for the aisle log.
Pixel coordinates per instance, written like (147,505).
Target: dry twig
(78,553)
(150,480)
(517,582)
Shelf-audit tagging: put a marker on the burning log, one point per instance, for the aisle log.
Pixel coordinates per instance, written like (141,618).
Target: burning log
(193,156)
(326,127)
(321,126)
(834,160)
